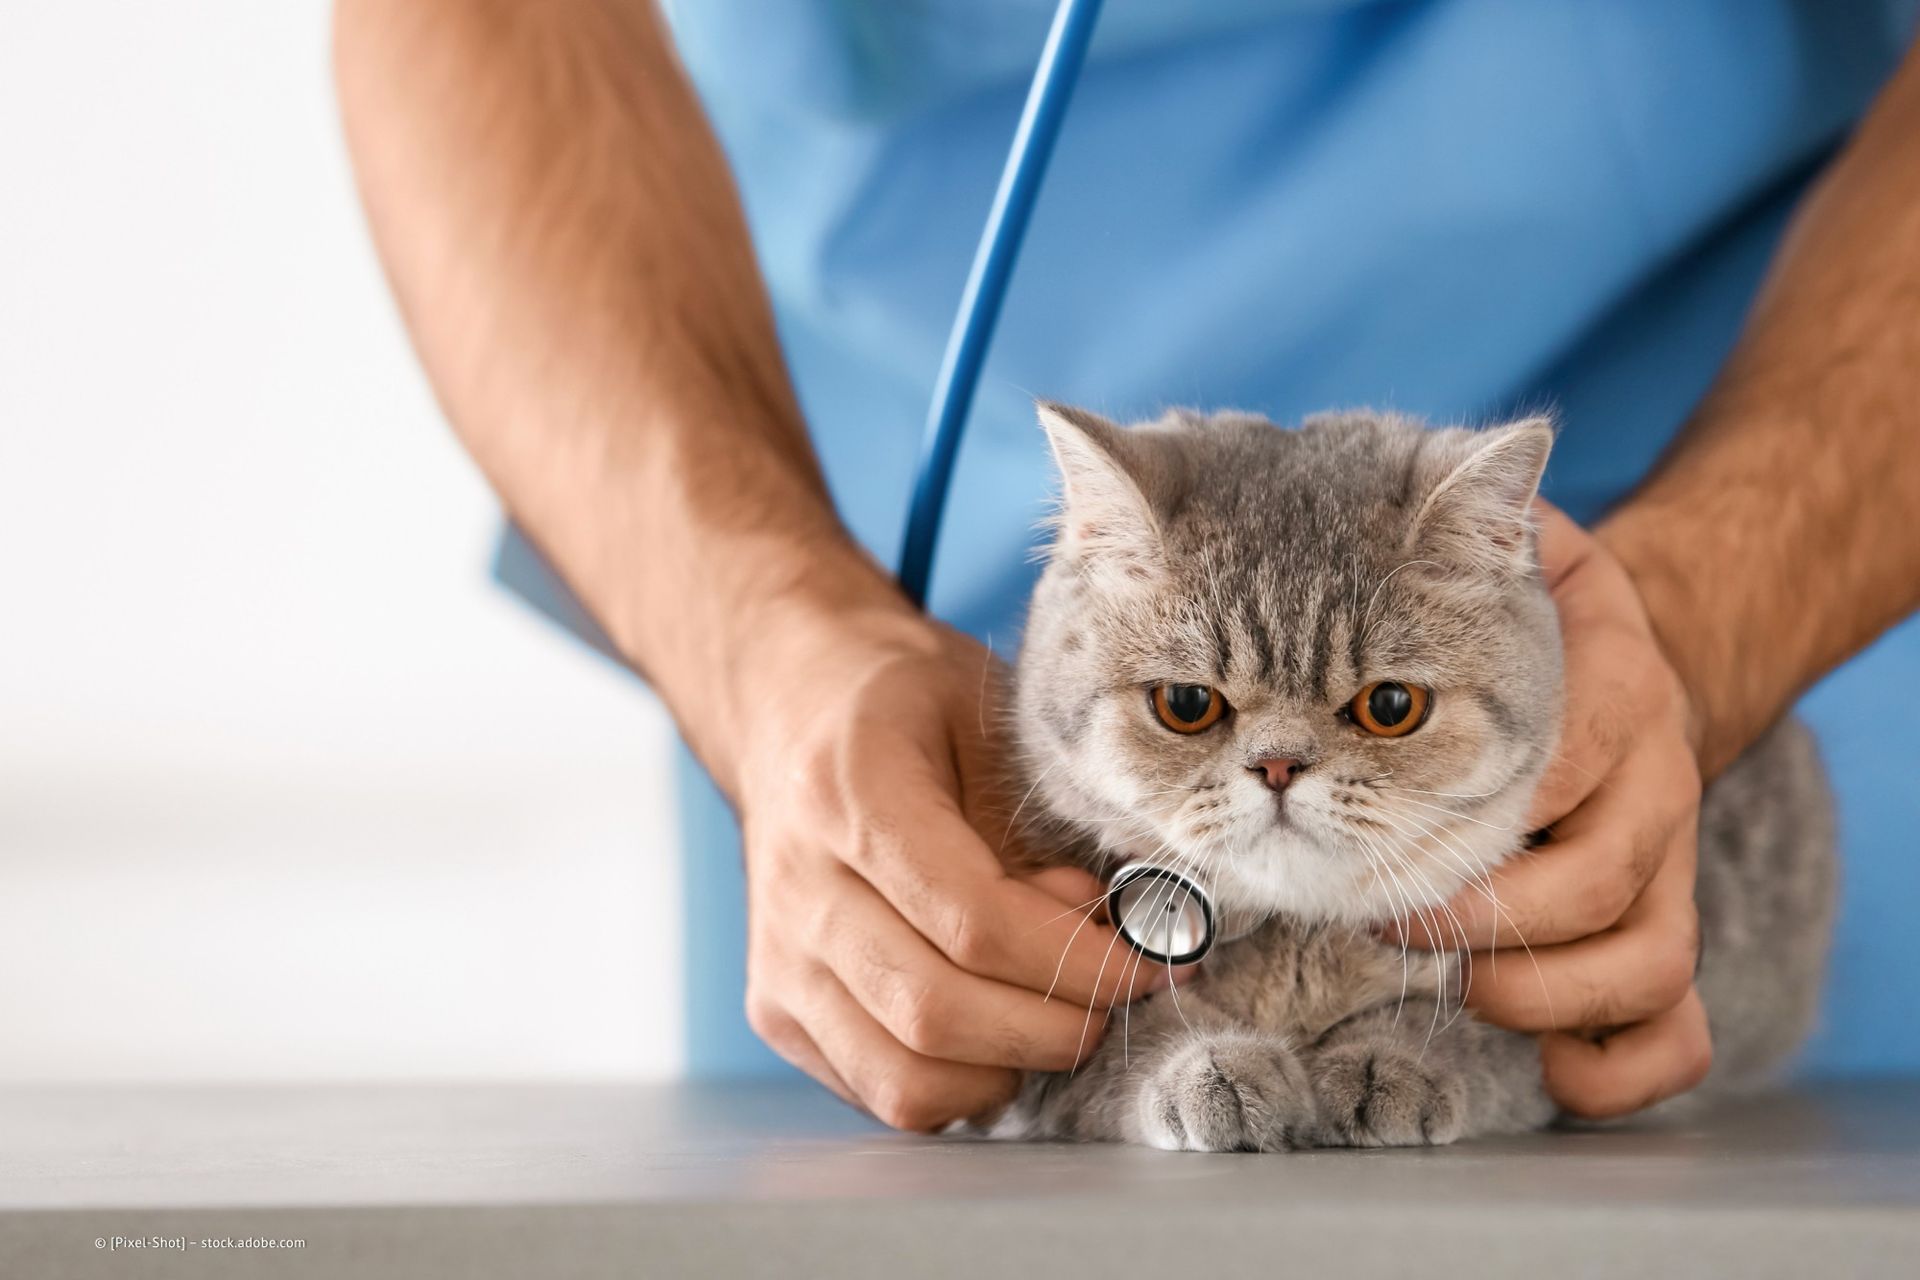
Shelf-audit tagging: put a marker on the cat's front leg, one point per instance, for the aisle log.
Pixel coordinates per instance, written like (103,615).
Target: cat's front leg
(1421,1075)
(1179,1078)
(1224,1090)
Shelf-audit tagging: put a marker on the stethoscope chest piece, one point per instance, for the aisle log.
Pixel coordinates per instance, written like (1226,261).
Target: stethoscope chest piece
(1165,916)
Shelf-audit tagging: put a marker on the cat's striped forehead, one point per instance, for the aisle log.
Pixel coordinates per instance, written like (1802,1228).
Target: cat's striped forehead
(1307,636)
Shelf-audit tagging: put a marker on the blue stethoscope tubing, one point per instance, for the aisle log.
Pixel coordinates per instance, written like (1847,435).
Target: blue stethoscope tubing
(1033,139)
(1143,899)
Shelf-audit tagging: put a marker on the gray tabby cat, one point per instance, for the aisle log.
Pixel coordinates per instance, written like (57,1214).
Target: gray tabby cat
(1321,666)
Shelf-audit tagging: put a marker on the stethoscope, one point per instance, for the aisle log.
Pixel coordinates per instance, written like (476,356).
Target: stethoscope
(1163,912)
(1167,915)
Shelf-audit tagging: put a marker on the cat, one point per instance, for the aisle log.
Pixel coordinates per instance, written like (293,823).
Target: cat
(1349,613)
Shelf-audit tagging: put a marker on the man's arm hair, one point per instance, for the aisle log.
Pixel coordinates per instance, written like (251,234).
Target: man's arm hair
(570,256)
(1781,532)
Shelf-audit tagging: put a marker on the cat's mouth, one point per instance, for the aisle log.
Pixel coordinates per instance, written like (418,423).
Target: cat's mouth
(1299,860)
(1284,823)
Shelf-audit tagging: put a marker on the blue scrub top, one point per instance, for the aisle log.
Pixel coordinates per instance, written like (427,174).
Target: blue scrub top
(1461,209)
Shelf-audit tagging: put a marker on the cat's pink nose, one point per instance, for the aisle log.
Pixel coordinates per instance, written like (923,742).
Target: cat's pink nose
(1275,773)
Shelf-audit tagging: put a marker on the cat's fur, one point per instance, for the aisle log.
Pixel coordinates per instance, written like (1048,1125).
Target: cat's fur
(1288,568)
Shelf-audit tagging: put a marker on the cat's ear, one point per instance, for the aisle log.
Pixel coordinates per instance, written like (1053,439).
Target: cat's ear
(1104,516)
(1478,514)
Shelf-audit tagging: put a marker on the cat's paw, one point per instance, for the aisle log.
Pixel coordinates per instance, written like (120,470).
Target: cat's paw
(1227,1092)
(1375,1096)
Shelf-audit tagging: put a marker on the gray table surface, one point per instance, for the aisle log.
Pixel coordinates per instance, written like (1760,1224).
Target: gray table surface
(589,1181)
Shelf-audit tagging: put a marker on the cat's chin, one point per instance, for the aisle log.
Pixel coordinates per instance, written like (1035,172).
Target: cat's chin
(1302,878)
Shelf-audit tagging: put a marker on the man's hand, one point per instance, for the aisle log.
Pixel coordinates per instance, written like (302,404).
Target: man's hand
(890,953)
(570,253)
(1783,512)
(1595,936)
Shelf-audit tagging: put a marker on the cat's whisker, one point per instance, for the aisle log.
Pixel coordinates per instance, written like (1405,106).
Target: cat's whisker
(986,669)
(1128,973)
(1419,877)
(1435,901)
(1373,865)
(1426,916)
(1540,975)
(1481,880)
(1464,817)
(1090,906)
(1399,891)
(1439,996)
(1560,755)
(1093,998)
(1173,988)
(1374,600)
(1092,909)
(1457,993)
(1179,790)
(1172,985)
(1458,931)
(1451,795)
(1428,913)
(1089,820)
(1014,820)
(1375,861)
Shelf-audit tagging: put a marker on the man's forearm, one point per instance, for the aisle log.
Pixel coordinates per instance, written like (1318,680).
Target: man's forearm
(571,259)
(1781,533)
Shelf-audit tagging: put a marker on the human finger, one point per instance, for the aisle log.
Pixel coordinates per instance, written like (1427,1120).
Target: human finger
(1606,650)
(1587,877)
(782,1033)
(932,1006)
(951,888)
(897,1086)
(1625,974)
(1632,1069)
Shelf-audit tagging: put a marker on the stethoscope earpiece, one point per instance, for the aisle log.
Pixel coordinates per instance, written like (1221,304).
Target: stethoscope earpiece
(1164,915)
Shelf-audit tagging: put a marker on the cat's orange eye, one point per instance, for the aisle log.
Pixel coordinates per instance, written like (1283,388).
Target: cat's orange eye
(1388,708)
(1188,708)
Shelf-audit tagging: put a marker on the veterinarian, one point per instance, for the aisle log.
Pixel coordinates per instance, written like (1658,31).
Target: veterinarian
(682,284)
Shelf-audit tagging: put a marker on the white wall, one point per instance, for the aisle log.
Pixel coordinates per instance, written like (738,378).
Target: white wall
(287,789)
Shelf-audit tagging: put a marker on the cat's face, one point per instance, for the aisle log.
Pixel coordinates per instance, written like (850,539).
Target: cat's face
(1317,666)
